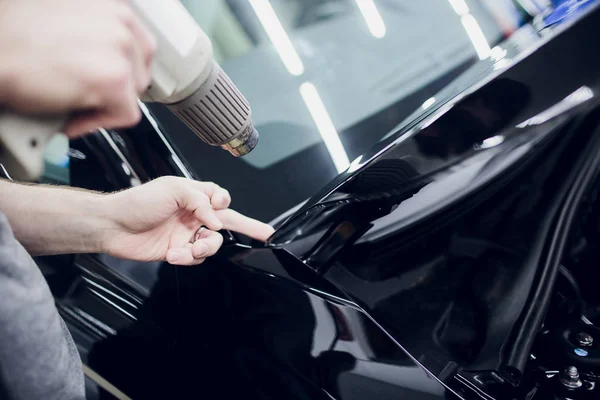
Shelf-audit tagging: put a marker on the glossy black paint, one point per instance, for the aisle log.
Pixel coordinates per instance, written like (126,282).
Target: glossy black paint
(228,331)
(417,266)
(506,109)
(286,187)
(135,326)
(457,223)
(118,159)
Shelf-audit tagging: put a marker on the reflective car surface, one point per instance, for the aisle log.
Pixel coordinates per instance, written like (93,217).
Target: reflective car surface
(452,256)
(361,67)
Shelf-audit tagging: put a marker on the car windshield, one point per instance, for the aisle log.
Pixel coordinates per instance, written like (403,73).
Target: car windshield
(327,79)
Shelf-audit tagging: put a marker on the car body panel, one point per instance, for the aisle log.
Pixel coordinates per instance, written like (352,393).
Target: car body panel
(538,83)
(353,306)
(222,330)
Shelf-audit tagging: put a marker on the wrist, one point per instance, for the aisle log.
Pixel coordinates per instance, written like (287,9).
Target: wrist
(104,226)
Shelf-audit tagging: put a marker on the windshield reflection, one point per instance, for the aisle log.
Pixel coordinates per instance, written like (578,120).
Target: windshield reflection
(324,88)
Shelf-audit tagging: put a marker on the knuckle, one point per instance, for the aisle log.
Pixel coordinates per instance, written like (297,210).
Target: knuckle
(152,47)
(126,13)
(123,39)
(117,74)
(133,116)
(203,198)
(127,116)
(143,85)
(208,187)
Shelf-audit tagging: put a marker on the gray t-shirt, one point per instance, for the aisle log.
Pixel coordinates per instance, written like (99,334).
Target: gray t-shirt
(38,358)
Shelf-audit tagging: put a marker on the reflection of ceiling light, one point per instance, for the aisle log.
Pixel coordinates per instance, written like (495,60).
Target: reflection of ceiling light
(476,35)
(319,114)
(482,47)
(501,63)
(490,142)
(428,103)
(497,53)
(579,96)
(460,7)
(498,56)
(267,17)
(582,94)
(372,17)
(355,165)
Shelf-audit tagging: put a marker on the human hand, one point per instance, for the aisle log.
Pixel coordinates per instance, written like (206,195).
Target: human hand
(84,56)
(159,221)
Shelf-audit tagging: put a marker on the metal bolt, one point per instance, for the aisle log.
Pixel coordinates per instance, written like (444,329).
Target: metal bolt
(570,378)
(584,339)
(572,372)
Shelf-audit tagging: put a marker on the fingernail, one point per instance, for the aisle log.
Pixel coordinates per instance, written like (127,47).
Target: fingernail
(200,251)
(172,256)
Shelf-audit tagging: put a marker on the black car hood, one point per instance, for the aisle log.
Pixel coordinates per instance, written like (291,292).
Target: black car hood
(418,256)
(437,232)
(485,122)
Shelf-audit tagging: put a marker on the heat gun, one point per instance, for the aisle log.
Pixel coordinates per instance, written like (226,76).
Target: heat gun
(185,77)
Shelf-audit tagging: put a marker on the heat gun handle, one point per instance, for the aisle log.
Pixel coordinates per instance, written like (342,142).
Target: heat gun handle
(23,141)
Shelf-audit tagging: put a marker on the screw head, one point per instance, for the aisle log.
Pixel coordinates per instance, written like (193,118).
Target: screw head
(570,378)
(584,339)
(572,372)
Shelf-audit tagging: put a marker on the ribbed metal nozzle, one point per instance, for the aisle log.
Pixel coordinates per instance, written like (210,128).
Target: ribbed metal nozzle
(219,114)
(243,144)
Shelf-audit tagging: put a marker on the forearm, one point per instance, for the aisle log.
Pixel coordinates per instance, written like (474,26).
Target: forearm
(53,220)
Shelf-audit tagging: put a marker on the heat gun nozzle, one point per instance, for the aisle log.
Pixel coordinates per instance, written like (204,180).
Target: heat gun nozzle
(243,144)
(219,114)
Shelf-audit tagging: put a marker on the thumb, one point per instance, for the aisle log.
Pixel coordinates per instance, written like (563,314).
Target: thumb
(234,221)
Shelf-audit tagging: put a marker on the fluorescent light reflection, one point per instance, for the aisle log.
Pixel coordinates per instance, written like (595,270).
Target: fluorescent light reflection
(327,130)
(372,17)
(498,53)
(482,47)
(268,19)
(476,35)
(491,142)
(460,7)
(579,96)
(428,103)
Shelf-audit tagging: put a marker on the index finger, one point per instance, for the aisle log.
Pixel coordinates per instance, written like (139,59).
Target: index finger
(234,221)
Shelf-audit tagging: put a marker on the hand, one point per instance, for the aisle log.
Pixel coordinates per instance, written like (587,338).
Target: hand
(159,221)
(62,56)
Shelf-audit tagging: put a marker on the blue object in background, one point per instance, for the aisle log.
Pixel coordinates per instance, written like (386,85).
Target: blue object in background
(581,352)
(564,10)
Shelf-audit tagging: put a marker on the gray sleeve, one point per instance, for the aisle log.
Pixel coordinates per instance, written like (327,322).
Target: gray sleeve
(38,359)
